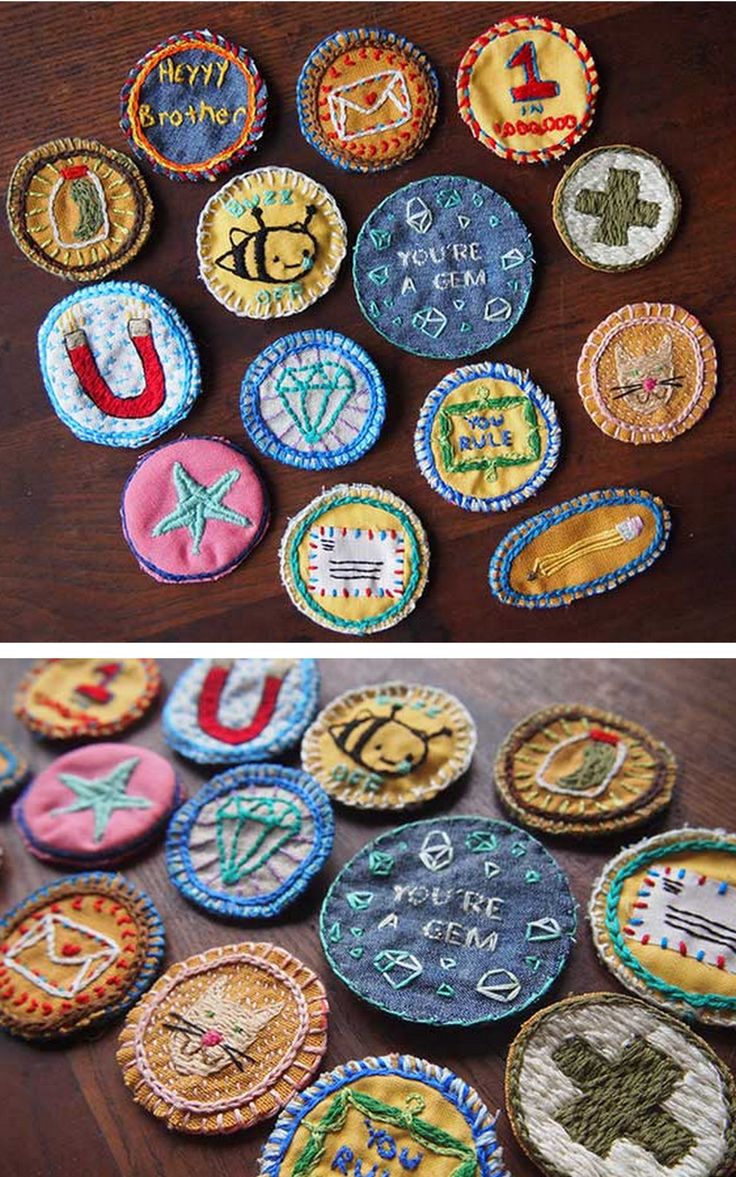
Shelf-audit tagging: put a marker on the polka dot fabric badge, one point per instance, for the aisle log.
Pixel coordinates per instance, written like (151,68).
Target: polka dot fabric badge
(86,698)
(394,1114)
(235,710)
(97,805)
(193,509)
(578,549)
(389,746)
(194,106)
(663,914)
(224,1039)
(251,841)
(487,437)
(314,399)
(647,373)
(355,559)
(453,921)
(13,769)
(616,208)
(527,89)
(367,99)
(76,954)
(443,267)
(270,243)
(119,364)
(78,209)
(580,770)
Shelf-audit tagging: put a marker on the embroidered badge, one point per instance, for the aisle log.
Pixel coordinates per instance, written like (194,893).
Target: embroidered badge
(578,549)
(355,559)
(13,769)
(119,364)
(443,267)
(235,710)
(580,770)
(527,89)
(270,243)
(389,746)
(487,437)
(601,1083)
(78,209)
(225,1039)
(249,843)
(663,915)
(647,372)
(452,921)
(367,99)
(392,1115)
(97,805)
(193,106)
(314,399)
(75,954)
(89,698)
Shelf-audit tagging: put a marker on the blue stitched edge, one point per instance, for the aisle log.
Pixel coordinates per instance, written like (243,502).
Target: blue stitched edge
(521,535)
(454,1089)
(16,771)
(285,738)
(423,436)
(159,573)
(272,903)
(263,436)
(334,157)
(189,359)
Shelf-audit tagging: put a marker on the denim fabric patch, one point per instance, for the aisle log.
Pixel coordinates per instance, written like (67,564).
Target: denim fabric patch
(453,921)
(13,769)
(443,267)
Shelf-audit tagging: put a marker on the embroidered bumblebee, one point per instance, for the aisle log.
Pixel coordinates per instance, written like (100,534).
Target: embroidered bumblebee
(384,744)
(271,253)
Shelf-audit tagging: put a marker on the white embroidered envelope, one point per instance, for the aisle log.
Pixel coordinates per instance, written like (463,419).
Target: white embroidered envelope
(378,103)
(55,939)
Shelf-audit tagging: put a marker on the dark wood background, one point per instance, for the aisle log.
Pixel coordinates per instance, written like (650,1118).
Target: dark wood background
(66,1112)
(667,86)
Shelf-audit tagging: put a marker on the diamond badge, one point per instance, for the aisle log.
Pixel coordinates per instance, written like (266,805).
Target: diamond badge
(250,831)
(436,852)
(359,900)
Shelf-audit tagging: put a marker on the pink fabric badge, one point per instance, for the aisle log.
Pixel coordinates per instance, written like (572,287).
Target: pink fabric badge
(193,509)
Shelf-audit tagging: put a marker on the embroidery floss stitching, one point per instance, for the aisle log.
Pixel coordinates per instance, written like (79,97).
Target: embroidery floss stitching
(13,769)
(69,698)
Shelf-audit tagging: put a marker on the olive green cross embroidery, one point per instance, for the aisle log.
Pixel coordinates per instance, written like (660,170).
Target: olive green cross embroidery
(623,1098)
(619,207)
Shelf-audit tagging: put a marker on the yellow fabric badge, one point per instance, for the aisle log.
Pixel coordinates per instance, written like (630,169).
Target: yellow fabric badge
(527,89)
(69,698)
(270,243)
(389,746)
(647,373)
(355,559)
(78,209)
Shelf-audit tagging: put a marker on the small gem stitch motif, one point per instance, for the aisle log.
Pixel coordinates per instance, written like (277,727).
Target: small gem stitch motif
(65,698)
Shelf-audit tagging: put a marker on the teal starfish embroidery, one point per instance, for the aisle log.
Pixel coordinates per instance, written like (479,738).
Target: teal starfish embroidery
(103,794)
(199,503)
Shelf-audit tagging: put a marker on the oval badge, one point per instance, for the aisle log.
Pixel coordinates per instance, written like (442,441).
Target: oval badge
(579,548)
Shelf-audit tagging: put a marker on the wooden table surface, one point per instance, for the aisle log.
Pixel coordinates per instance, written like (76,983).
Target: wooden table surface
(66,1112)
(666,73)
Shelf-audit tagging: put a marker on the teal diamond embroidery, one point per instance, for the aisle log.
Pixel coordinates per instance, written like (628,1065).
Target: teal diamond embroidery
(373,308)
(379,275)
(481,843)
(477,199)
(335,933)
(493,221)
(533,876)
(250,831)
(314,396)
(359,900)
(381,238)
(465,327)
(448,962)
(444,990)
(397,967)
(430,321)
(534,962)
(448,198)
(380,864)
(397,320)
(518,849)
(357,952)
(357,932)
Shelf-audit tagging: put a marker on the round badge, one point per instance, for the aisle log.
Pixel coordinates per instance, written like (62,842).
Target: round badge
(355,559)
(13,769)
(527,89)
(86,698)
(443,267)
(487,437)
(224,1039)
(235,710)
(580,770)
(369,1113)
(119,363)
(76,954)
(616,208)
(250,842)
(389,746)
(663,913)
(367,99)
(78,209)
(647,372)
(97,805)
(193,509)
(193,106)
(452,921)
(270,243)
(314,399)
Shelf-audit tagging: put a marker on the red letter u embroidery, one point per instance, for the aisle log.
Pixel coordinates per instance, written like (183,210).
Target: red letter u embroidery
(147,402)
(209,705)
